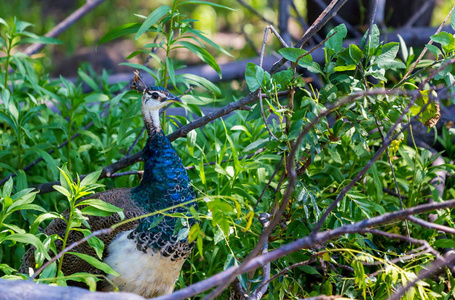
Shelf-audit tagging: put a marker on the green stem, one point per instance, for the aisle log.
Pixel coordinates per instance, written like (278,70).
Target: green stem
(8,57)
(68,146)
(19,149)
(65,239)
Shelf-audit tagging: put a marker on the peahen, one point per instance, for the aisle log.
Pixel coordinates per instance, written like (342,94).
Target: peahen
(146,253)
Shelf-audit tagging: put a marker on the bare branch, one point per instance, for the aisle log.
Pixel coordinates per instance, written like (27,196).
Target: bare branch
(264,219)
(424,8)
(65,24)
(254,11)
(323,18)
(305,243)
(431,225)
(424,51)
(436,267)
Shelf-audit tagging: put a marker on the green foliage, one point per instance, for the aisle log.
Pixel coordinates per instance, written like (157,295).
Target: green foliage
(235,165)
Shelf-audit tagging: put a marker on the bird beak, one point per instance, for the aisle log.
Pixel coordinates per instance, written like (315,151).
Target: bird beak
(172,98)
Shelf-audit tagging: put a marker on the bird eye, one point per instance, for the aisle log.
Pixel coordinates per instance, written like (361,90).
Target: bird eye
(154,95)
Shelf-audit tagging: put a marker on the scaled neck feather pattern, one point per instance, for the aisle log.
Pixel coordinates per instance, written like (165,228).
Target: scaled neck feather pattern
(165,183)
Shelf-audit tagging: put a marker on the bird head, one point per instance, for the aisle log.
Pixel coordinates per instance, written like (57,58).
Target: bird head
(153,98)
(156,97)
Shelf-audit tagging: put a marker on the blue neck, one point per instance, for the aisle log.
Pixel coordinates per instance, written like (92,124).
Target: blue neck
(165,183)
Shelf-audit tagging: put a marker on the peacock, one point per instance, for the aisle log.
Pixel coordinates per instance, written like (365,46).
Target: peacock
(147,253)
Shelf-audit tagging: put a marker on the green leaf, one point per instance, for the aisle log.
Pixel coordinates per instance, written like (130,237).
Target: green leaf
(201,35)
(36,39)
(152,19)
(283,78)
(204,2)
(51,164)
(355,53)
(202,82)
(8,187)
(335,43)
(96,263)
(40,219)
(203,55)
(345,68)
(27,238)
(444,243)
(62,191)
(254,76)
(170,70)
(100,204)
(88,80)
(97,97)
(373,41)
(292,54)
(119,31)
(91,178)
(195,231)
(435,50)
(443,38)
(386,59)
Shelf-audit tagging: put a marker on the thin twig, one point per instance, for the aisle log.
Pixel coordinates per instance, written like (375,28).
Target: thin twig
(404,238)
(304,24)
(323,18)
(424,51)
(305,243)
(302,263)
(423,9)
(269,182)
(292,179)
(65,24)
(431,225)
(259,292)
(339,19)
(70,247)
(254,11)
(436,267)
(397,188)
(135,141)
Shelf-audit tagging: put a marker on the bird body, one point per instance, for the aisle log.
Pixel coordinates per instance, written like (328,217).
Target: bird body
(147,253)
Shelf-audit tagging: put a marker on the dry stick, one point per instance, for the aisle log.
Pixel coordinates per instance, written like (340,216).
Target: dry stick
(387,140)
(70,247)
(397,189)
(302,263)
(393,193)
(258,293)
(305,243)
(339,19)
(292,178)
(250,8)
(419,13)
(62,26)
(283,18)
(435,268)
(424,50)
(431,225)
(269,182)
(404,238)
(261,60)
(135,141)
(304,24)
(323,18)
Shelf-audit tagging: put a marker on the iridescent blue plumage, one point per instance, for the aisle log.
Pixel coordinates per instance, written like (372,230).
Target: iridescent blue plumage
(165,184)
